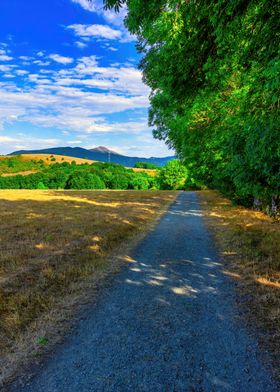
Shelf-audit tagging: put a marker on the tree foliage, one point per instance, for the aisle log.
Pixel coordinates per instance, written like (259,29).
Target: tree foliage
(214,72)
(146,165)
(172,176)
(64,175)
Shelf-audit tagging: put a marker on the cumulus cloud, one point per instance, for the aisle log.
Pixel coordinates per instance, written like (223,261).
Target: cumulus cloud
(97,7)
(75,98)
(25,58)
(61,59)
(110,16)
(80,44)
(25,142)
(42,63)
(6,68)
(21,72)
(7,139)
(95,31)
(4,57)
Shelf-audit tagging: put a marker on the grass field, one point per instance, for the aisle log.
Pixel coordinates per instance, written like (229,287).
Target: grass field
(250,244)
(151,172)
(46,158)
(51,241)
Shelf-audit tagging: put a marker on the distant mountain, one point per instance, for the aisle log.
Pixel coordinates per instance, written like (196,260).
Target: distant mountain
(101,154)
(104,149)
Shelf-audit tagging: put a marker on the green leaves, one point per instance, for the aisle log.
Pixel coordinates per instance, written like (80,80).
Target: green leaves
(172,176)
(214,71)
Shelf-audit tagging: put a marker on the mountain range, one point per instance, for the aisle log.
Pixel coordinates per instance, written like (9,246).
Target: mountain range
(100,153)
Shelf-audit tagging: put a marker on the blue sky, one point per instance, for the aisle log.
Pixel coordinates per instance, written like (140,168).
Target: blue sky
(69,77)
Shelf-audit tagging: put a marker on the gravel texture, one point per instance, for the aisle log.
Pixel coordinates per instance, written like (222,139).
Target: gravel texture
(167,322)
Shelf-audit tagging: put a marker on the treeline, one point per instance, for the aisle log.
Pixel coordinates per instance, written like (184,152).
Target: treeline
(146,165)
(97,175)
(214,71)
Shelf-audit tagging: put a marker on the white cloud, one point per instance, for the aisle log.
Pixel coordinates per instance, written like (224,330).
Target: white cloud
(61,59)
(25,58)
(25,142)
(80,44)
(7,139)
(41,63)
(95,31)
(74,142)
(86,4)
(4,57)
(97,7)
(5,68)
(75,99)
(110,16)
(21,72)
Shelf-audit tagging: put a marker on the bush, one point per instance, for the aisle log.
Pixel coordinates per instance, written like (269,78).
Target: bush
(84,180)
(146,165)
(139,182)
(57,179)
(41,185)
(172,176)
(119,181)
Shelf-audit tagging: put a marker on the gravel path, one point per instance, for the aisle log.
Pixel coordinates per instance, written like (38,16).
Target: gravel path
(167,323)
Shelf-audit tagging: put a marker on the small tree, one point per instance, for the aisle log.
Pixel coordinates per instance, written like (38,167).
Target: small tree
(139,182)
(172,176)
(41,185)
(84,180)
(119,181)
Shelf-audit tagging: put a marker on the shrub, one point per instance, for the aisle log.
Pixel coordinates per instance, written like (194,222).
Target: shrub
(84,180)
(41,185)
(172,176)
(139,182)
(146,165)
(119,181)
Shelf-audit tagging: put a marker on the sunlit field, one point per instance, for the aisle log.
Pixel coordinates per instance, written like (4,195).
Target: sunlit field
(250,243)
(51,240)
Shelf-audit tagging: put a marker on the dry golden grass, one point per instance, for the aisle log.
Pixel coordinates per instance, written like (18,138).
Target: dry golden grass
(22,173)
(250,243)
(151,172)
(51,241)
(46,158)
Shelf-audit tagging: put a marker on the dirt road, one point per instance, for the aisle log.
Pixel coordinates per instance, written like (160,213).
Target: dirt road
(168,322)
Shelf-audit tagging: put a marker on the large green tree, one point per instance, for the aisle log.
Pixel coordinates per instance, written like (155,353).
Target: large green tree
(214,72)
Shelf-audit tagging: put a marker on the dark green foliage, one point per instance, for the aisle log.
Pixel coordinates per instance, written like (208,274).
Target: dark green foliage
(21,182)
(140,182)
(84,180)
(146,165)
(119,181)
(97,175)
(214,71)
(56,179)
